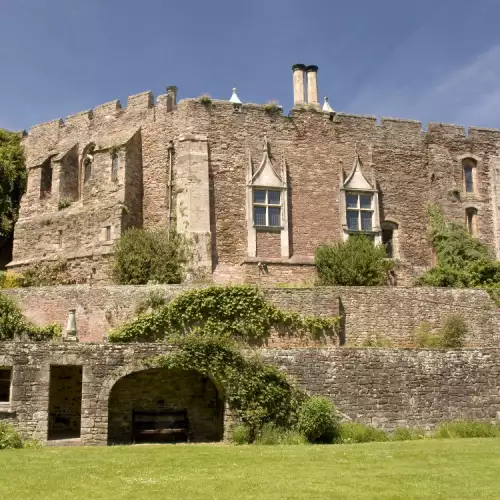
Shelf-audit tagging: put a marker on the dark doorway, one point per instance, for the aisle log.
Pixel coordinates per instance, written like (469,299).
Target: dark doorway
(65,402)
(160,405)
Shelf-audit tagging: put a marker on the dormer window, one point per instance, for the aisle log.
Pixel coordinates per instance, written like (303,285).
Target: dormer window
(359,211)
(267,207)
(359,204)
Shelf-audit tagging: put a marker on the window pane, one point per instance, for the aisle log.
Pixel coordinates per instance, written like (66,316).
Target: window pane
(352,220)
(366,221)
(352,201)
(469,182)
(259,216)
(274,216)
(365,201)
(259,196)
(273,197)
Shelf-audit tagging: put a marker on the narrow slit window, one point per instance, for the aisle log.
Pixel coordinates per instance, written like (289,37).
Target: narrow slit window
(108,233)
(60,238)
(5,383)
(267,207)
(469,172)
(114,167)
(87,166)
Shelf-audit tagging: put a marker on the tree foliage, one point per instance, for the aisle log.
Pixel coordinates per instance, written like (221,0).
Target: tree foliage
(13,179)
(239,312)
(355,262)
(319,420)
(462,260)
(142,256)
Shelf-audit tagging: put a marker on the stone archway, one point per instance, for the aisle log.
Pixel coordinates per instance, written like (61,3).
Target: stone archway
(155,396)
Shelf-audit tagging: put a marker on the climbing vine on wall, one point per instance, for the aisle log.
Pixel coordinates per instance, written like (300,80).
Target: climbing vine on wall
(239,312)
(257,393)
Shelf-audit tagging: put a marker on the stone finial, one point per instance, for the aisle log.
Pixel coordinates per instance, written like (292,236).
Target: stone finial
(326,106)
(71,331)
(234,98)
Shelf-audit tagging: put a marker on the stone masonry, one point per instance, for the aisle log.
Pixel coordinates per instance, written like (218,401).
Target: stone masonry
(386,388)
(195,166)
(390,313)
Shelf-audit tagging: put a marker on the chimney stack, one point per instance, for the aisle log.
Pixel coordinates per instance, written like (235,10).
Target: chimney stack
(171,97)
(312,86)
(299,96)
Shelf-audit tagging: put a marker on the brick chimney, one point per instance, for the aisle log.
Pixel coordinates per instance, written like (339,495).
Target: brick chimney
(312,86)
(299,96)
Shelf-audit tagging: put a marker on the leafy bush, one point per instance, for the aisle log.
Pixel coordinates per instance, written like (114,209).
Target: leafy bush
(453,332)
(14,325)
(257,393)
(355,262)
(424,337)
(9,437)
(467,429)
(206,100)
(239,312)
(407,434)
(46,274)
(377,340)
(142,256)
(354,432)
(155,300)
(270,434)
(9,279)
(318,420)
(463,261)
(241,434)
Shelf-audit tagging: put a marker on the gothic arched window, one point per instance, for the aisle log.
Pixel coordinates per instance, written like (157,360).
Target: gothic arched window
(114,167)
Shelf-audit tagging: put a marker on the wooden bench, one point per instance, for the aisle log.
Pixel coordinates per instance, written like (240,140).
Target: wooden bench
(160,426)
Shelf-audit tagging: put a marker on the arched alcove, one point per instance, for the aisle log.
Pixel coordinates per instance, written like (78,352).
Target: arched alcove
(153,405)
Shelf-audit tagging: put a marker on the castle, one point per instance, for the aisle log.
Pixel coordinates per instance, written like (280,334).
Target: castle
(255,191)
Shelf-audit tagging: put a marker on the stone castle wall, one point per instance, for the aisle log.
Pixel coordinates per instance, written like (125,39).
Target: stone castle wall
(392,313)
(211,147)
(383,387)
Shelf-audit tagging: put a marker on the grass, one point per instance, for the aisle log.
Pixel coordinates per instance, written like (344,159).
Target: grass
(428,469)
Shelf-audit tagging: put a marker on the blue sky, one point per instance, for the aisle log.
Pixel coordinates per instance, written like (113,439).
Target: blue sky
(431,60)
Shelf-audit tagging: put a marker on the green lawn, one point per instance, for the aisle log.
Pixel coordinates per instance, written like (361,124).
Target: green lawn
(434,469)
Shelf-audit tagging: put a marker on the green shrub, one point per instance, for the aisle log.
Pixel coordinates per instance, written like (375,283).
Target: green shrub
(240,434)
(376,340)
(271,434)
(9,437)
(453,332)
(467,429)
(9,279)
(318,420)
(13,324)
(354,432)
(155,300)
(64,203)
(206,100)
(142,256)
(424,337)
(355,262)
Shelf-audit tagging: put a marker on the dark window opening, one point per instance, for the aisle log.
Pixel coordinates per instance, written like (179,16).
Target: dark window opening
(387,241)
(5,381)
(87,165)
(471,221)
(46,180)
(65,402)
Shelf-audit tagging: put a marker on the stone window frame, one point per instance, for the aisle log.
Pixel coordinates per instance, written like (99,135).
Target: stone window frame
(46,179)
(86,174)
(471,218)
(267,177)
(6,383)
(364,187)
(472,161)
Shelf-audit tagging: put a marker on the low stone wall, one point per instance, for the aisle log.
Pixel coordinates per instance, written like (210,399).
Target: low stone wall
(383,387)
(392,313)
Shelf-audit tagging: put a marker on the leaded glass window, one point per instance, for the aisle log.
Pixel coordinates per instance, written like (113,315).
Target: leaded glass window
(267,207)
(469,179)
(114,167)
(359,211)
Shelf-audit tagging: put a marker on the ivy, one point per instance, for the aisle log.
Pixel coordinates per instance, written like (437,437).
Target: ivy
(240,312)
(256,393)
(14,326)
